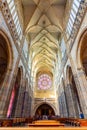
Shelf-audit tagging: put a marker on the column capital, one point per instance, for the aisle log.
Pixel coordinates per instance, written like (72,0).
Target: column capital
(81,70)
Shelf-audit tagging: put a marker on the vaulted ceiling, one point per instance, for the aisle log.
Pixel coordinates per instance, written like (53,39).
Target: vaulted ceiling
(43,24)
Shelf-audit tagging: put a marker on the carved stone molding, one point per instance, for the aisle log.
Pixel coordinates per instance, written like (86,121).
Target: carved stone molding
(8,18)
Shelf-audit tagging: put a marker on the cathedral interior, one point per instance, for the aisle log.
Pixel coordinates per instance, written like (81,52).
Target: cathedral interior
(43,60)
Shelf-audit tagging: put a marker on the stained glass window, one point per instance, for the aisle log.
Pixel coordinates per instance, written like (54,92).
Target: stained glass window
(44,82)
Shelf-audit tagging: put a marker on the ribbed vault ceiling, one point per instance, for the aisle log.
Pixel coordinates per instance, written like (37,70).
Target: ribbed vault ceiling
(43,24)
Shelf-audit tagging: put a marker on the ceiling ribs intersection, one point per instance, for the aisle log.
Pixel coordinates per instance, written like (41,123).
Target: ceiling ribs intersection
(44,28)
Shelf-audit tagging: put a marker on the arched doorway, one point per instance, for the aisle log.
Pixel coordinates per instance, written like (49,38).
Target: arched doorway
(4,58)
(45,109)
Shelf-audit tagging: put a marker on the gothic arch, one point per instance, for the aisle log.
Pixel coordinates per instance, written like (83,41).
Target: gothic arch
(6,55)
(81,54)
(37,106)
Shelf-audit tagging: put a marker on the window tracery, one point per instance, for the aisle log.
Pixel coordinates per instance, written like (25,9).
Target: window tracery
(44,82)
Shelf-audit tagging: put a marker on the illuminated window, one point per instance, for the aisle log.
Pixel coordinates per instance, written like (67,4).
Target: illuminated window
(44,82)
(13,10)
(73,13)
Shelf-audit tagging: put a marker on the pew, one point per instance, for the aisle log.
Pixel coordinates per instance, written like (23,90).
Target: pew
(30,122)
(6,122)
(83,122)
(14,121)
(73,121)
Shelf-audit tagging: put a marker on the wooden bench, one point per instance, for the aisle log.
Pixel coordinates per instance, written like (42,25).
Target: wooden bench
(22,121)
(73,121)
(83,122)
(14,122)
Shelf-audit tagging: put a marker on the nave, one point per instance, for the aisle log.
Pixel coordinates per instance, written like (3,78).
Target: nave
(43,64)
(54,122)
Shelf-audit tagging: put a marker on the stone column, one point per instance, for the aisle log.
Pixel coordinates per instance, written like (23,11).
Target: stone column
(64,102)
(32,101)
(70,102)
(60,101)
(75,99)
(64,107)
(30,105)
(60,106)
(81,84)
(26,105)
(20,102)
(4,93)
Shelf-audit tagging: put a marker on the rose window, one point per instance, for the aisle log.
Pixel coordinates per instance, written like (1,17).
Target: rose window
(44,82)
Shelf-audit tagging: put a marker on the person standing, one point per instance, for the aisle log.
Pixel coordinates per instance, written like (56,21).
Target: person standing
(81,115)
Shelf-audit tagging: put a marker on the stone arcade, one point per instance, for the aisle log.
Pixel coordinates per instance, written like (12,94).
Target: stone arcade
(43,58)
